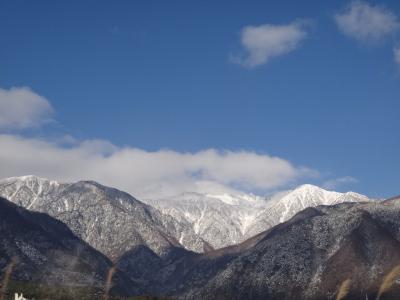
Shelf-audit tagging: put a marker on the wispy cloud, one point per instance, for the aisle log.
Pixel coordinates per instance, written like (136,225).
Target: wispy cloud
(262,43)
(367,23)
(22,108)
(337,182)
(396,53)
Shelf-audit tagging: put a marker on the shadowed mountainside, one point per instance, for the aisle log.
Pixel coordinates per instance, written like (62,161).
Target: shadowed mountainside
(45,251)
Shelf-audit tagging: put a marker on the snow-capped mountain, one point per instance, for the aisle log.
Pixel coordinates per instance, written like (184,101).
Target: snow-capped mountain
(220,220)
(115,222)
(296,259)
(312,254)
(223,220)
(282,206)
(109,220)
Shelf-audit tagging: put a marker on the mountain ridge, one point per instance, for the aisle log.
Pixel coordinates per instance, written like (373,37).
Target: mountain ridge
(307,256)
(110,220)
(234,221)
(199,222)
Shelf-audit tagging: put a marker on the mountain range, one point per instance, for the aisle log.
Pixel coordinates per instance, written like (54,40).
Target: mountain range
(298,244)
(196,222)
(109,220)
(223,220)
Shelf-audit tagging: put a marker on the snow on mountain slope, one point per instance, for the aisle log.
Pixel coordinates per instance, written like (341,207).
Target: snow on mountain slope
(219,220)
(311,255)
(223,220)
(109,220)
(113,221)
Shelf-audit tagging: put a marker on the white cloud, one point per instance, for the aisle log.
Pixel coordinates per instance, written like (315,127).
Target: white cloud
(367,23)
(144,173)
(22,108)
(396,52)
(334,183)
(261,43)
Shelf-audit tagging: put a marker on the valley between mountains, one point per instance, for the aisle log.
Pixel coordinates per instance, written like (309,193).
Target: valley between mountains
(299,244)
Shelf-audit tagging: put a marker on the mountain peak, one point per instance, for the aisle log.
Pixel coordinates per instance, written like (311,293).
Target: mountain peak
(308,187)
(313,190)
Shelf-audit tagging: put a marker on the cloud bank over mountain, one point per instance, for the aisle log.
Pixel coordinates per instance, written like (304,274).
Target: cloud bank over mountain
(145,173)
(140,172)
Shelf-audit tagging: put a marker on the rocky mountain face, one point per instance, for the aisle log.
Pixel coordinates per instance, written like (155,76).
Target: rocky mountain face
(220,221)
(223,220)
(45,251)
(111,221)
(309,256)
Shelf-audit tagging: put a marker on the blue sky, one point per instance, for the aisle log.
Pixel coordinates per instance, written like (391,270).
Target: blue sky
(178,75)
